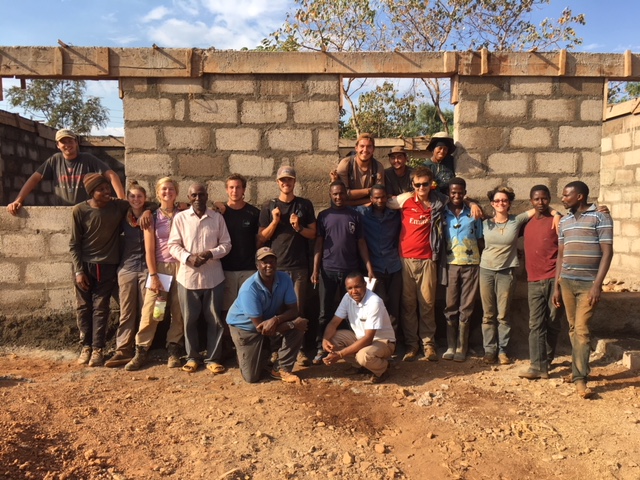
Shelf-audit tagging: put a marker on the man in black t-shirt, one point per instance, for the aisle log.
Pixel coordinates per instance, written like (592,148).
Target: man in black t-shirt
(397,178)
(67,170)
(241,219)
(287,223)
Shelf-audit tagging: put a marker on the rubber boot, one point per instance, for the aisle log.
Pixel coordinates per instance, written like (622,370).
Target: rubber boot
(451,342)
(138,360)
(463,342)
(174,356)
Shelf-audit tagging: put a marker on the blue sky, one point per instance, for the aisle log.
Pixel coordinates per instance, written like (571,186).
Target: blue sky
(226,24)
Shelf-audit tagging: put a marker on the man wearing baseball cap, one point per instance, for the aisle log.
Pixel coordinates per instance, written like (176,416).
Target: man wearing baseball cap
(286,224)
(67,170)
(397,177)
(266,307)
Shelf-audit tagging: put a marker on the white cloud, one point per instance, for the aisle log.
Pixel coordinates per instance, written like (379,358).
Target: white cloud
(157,13)
(114,131)
(125,39)
(190,7)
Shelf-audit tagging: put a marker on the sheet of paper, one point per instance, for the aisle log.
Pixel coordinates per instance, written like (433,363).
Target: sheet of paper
(165,280)
(371,282)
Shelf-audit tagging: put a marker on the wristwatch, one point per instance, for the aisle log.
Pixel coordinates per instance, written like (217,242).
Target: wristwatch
(291,325)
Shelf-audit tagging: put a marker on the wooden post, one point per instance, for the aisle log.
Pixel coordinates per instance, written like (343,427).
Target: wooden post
(628,63)
(562,63)
(484,61)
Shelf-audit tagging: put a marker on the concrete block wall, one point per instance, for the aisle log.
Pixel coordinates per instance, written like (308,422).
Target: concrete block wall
(36,276)
(620,191)
(521,131)
(203,129)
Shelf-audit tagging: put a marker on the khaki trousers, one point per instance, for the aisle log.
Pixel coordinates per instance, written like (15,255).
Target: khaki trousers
(418,320)
(374,357)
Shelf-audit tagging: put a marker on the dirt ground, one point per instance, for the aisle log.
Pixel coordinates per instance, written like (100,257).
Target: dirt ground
(439,420)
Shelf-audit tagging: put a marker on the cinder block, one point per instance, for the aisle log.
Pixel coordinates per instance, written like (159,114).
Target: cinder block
(180,85)
(48,273)
(590,162)
(636,138)
(475,86)
(635,244)
(611,161)
(557,110)
(607,177)
(624,177)
(198,165)
(251,165)
(22,246)
(580,137)
(560,162)
(156,164)
(211,110)
(328,140)
(466,112)
(522,185)
(581,86)
(591,110)
(631,360)
(316,112)
(180,110)
(482,138)
(290,139)
(531,86)
(263,112)
(61,299)
(291,87)
(237,139)
(193,138)
(606,144)
(21,299)
(268,189)
(49,219)
(621,210)
(593,181)
(630,194)
(622,141)
(477,188)
(235,84)
(216,191)
(537,137)
(506,109)
(9,273)
(9,223)
(318,193)
(324,85)
(516,162)
(630,158)
(147,109)
(140,138)
(137,85)
(612,195)
(622,245)
(59,244)
(315,167)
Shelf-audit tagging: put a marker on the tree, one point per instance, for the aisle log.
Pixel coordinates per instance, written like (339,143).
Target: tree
(623,91)
(61,103)
(423,26)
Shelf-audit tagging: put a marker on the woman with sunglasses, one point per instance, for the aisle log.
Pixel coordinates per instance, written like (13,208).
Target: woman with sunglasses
(497,272)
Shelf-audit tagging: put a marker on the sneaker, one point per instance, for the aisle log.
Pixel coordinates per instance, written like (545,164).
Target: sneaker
(582,389)
(410,356)
(303,360)
(533,374)
(374,379)
(118,360)
(430,353)
(490,358)
(174,356)
(317,360)
(85,355)
(274,358)
(504,359)
(97,358)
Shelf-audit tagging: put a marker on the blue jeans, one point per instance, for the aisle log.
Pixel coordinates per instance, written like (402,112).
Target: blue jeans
(575,296)
(496,290)
(209,302)
(544,324)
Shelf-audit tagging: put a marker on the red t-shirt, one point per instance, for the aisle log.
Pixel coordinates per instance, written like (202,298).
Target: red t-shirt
(540,249)
(415,233)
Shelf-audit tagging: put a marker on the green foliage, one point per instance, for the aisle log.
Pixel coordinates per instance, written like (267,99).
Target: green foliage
(623,91)
(61,103)
(421,26)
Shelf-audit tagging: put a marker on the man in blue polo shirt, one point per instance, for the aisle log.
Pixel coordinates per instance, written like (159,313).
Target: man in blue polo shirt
(464,240)
(585,250)
(266,306)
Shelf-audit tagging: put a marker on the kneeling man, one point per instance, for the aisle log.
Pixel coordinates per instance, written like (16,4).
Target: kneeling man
(372,341)
(266,306)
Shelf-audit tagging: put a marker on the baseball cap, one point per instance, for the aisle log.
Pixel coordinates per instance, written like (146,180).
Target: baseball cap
(264,252)
(64,133)
(286,172)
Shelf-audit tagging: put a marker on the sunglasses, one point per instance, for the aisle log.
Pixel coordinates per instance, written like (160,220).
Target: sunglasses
(425,184)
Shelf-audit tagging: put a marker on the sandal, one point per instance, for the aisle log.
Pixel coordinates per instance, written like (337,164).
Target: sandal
(216,368)
(190,367)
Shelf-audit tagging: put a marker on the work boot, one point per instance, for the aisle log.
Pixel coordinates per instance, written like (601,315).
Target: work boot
(118,359)
(97,358)
(85,355)
(463,342)
(174,356)
(430,353)
(138,360)
(451,342)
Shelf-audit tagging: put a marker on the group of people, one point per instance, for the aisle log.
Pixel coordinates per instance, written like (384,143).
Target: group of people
(388,239)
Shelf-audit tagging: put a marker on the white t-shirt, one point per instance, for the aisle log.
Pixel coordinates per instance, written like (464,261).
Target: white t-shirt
(371,314)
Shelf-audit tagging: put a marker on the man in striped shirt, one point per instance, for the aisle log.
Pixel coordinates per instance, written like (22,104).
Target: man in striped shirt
(585,250)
